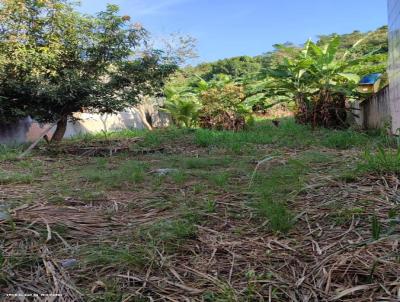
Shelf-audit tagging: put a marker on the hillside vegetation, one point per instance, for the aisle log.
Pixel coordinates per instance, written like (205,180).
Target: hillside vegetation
(313,78)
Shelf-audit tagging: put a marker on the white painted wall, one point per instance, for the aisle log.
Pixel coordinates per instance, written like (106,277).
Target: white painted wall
(28,130)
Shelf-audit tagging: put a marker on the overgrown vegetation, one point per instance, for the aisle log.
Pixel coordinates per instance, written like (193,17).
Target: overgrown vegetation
(316,81)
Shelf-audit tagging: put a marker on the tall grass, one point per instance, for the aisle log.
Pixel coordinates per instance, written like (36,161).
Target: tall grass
(289,134)
(344,139)
(10,152)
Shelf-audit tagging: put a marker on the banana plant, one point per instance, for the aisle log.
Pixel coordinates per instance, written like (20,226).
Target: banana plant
(182,105)
(315,79)
(328,71)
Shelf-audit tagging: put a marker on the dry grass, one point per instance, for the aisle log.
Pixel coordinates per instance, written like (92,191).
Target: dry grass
(198,235)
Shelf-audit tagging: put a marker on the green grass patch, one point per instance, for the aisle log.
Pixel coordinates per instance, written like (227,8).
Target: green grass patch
(179,177)
(317,157)
(289,134)
(157,138)
(22,260)
(7,177)
(114,255)
(10,152)
(91,195)
(173,230)
(344,139)
(219,179)
(345,215)
(210,206)
(172,233)
(204,163)
(33,169)
(275,190)
(130,171)
(381,162)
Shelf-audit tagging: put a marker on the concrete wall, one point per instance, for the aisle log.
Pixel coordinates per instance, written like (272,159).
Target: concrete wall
(27,130)
(375,112)
(394,62)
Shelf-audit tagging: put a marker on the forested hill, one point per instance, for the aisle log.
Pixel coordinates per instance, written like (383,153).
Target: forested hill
(373,43)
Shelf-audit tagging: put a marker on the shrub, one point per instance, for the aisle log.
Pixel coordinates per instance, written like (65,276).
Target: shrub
(182,106)
(223,108)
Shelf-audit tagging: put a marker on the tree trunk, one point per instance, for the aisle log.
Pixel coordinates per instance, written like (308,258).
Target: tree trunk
(143,117)
(60,130)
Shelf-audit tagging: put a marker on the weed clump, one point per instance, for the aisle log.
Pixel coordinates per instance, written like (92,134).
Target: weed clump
(381,162)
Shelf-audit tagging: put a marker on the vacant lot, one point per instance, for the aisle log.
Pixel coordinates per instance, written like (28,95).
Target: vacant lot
(268,214)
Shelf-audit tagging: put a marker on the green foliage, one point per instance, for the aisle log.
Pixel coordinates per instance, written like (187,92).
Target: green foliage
(301,76)
(222,95)
(316,80)
(223,108)
(237,68)
(183,107)
(217,104)
(373,46)
(56,61)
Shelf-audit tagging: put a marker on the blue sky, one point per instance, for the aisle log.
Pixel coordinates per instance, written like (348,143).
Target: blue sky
(226,28)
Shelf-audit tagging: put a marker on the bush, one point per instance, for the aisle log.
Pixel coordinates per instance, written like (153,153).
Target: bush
(223,108)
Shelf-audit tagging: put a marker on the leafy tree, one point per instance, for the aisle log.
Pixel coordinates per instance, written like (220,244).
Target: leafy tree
(55,61)
(236,68)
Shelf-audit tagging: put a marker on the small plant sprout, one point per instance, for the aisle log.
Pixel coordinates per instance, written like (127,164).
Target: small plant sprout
(376,227)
